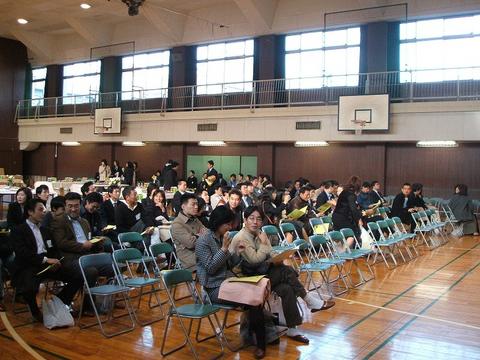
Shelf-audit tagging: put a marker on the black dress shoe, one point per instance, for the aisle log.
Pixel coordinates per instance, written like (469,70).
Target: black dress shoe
(300,338)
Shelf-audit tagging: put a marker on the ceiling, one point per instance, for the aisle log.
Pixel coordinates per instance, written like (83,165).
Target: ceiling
(60,31)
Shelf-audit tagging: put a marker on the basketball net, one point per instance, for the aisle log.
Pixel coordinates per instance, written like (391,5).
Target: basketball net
(359,126)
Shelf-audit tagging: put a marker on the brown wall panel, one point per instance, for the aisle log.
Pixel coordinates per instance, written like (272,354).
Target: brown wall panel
(40,162)
(76,161)
(333,162)
(437,169)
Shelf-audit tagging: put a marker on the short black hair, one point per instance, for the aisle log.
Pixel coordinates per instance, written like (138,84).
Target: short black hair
(26,191)
(40,188)
(211,162)
(192,171)
(181,180)
(150,188)
(235,191)
(85,187)
(462,189)
(185,197)
(247,183)
(327,184)
(219,216)
(233,175)
(216,187)
(32,204)
(375,182)
(251,209)
(366,184)
(127,190)
(304,189)
(113,187)
(72,196)
(417,186)
(94,197)
(407,184)
(57,202)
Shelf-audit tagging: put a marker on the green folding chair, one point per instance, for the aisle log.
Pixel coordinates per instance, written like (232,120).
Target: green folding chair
(107,292)
(133,238)
(192,311)
(144,284)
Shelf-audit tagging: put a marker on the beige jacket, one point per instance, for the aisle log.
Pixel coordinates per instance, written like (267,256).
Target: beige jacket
(185,232)
(255,252)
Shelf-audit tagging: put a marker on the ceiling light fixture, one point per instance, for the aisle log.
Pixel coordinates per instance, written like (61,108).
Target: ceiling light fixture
(310,143)
(22,21)
(437,144)
(70,143)
(85,6)
(212,143)
(133,143)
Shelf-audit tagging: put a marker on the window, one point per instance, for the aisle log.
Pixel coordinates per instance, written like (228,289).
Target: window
(81,82)
(440,49)
(145,75)
(229,63)
(39,76)
(318,59)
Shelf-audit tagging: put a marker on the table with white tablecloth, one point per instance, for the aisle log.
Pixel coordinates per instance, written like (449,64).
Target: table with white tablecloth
(7,196)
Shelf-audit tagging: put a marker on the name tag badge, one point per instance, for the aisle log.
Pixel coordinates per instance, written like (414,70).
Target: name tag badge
(49,243)
(89,236)
(137,217)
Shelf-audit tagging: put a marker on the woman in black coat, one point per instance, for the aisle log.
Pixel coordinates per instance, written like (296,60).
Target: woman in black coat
(16,214)
(128,173)
(347,213)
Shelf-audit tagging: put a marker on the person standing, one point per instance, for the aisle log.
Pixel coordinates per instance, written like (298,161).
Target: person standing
(103,171)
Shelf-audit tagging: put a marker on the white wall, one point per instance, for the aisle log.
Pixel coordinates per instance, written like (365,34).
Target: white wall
(408,122)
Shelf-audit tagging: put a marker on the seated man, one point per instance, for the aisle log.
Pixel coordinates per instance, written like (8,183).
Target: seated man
(326,196)
(186,228)
(107,208)
(87,188)
(217,197)
(35,249)
(235,204)
(257,253)
(89,211)
(43,193)
(130,214)
(57,206)
(176,202)
(247,199)
(299,202)
(403,205)
(376,194)
(72,235)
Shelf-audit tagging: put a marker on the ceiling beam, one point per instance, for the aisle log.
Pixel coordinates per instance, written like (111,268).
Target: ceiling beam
(94,32)
(170,23)
(39,44)
(260,13)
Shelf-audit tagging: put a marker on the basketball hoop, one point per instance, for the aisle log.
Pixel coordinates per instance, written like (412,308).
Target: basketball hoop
(359,126)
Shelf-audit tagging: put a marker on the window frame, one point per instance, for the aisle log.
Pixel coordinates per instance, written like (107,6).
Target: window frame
(323,49)
(410,74)
(38,101)
(79,98)
(148,67)
(247,85)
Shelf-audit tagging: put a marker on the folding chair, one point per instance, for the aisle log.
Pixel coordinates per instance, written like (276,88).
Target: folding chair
(404,239)
(157,250)
(192,311)
(127,257)
(317,224)
(381,244)
(432,219)
(410,238)
(449,216)
(425,231)
(273,234)
(397,241)
(105,291)
(351,255)
(134,238)
(327,220)
(289,228)
(325,255)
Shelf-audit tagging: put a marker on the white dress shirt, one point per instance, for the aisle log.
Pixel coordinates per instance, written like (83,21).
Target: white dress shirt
(38,237)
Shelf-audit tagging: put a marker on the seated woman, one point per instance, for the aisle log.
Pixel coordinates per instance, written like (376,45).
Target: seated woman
(17,214)
(158,210)
(418,201)
(463,210)
(255,252)
(214,261)
(272,211)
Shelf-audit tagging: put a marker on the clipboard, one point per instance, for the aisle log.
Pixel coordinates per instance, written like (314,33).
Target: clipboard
(284,255)
(96,240)
(297,213)
(323,208)
(48,267)
(247,279)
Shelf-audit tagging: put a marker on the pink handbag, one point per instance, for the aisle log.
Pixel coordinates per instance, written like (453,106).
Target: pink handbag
(245,293)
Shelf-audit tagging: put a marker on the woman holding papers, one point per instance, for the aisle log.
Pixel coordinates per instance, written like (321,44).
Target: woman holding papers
(256,253)
(214,261)
(347,213)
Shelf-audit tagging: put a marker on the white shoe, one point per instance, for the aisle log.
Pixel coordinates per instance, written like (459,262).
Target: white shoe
(313,302)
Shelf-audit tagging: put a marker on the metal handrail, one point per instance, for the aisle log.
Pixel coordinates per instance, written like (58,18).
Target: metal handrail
(318,90)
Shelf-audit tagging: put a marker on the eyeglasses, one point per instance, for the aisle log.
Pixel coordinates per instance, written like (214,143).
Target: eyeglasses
(254,219)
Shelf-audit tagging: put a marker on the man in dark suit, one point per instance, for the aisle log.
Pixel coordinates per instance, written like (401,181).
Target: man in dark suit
(176,201)
(107,209)
(170,175)
(72,235)
(35,250)
(247,200)
(212,176)
(326,196)
(404,204)
(376,193)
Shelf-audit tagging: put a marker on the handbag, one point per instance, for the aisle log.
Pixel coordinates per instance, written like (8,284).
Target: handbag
(55,313)
(253,294)
(366,239)
(260,268)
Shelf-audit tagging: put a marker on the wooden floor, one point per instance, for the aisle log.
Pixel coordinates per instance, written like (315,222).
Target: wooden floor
(377,321)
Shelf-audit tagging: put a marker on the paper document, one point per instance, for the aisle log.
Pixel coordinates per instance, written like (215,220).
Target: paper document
(284,255)
(247,279)
(297,213)
(324,207)
(109,227)
(96,239)
(321,229)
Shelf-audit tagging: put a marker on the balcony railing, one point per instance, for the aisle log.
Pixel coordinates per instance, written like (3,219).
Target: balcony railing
(459,84)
